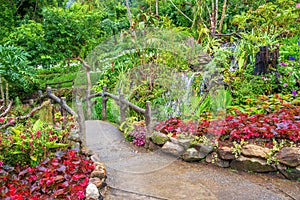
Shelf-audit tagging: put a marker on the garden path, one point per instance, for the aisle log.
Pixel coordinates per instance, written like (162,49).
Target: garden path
(136,174)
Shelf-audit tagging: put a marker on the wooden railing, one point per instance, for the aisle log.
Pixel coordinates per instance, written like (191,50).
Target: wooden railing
(124,104)
(59,84)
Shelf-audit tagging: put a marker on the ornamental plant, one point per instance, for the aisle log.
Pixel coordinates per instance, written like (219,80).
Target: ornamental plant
(32,143)
(138,134)
(282,124)
(65,176)
(263,104)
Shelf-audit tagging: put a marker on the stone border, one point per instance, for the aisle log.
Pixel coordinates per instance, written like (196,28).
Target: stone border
(97,186)
(247,157)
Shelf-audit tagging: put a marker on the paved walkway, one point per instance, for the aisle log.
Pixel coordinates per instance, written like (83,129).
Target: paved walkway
(136,174)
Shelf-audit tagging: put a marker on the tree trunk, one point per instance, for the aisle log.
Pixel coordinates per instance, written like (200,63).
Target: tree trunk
(7,94)
(1,89)
(223,16)
(129,13)
(156,7)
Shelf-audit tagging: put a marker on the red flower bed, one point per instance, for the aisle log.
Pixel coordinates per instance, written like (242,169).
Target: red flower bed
(282,124)
(65,176)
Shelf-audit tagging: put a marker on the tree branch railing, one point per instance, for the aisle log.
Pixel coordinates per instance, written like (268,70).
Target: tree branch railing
(123,106)
(59,83)
(60,101)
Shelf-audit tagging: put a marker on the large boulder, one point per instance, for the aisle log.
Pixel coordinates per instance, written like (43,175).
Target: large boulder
(214,159)
(252,150)
(204,149)
(191,155)
(159,138)
(289,156)
(185,142)
(173,149)
(92,192)
(289,173)
(225,153)
(252,164)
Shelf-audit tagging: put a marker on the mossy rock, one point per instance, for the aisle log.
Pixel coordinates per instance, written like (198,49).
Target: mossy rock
(159,138)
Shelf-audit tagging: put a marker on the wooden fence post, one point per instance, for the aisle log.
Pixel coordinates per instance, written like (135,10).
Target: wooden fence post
(148,117)
(148,123)
(122,108)
(104,106)
(63,112)
(81,121)
(89,105)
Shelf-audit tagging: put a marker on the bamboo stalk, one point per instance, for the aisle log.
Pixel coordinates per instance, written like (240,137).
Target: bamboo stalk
(223,16)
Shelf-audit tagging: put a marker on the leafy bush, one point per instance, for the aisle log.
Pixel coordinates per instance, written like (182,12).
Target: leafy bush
(30,144)
(138,134)
(283,124)
(65,176)
(134,131)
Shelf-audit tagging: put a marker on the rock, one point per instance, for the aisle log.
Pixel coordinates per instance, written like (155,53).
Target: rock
(98,174)
(92,192)
(174,140)
(289,156)
(214,159)
(211,157)
(191,155)
(222,163)
(185,143)
(253,150)
(97,181)
(173,149)
(99,171)
(289,173)
(252,164)
(152,146)
(159,138)
(95,158)
(225,153)
(203,149)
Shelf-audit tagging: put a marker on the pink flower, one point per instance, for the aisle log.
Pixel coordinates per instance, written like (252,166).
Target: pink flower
(2,119)
(1,164)
(283,64)
(297,5)
(285,85)
(80,194)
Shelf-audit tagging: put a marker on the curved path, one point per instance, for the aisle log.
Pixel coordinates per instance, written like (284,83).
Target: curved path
(134,173)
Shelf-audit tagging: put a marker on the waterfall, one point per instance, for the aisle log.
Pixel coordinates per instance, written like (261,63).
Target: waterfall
(69,3)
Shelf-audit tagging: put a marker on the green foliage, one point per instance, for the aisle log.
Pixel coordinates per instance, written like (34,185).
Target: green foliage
(30,36)
(262,104)
(272,18)
(15,67)
(72,32)
(127,127)
(30,143)
(111,110)
(7,18)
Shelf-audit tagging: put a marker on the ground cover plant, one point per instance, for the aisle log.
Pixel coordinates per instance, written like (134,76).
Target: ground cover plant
(263,128)
(36,159)
(64,176)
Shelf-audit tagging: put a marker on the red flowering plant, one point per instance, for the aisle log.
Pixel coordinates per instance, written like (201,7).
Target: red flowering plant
(263,104)
(65,176)
(31,143)
(283,124)
(175,126)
